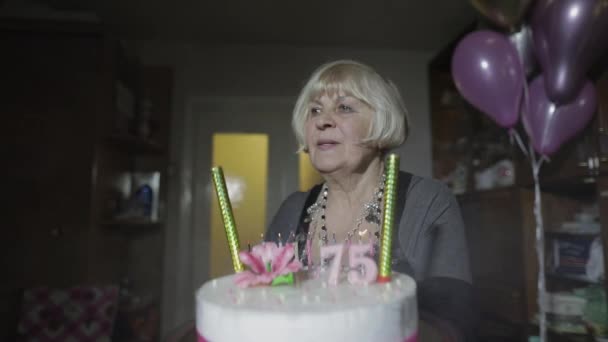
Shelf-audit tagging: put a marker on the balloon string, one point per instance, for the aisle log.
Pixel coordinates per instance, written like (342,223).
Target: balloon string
(522,108)
(526,105)
(540,246)
(517,138)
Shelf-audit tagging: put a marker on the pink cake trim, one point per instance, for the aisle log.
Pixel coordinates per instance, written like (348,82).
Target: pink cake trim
(413,338)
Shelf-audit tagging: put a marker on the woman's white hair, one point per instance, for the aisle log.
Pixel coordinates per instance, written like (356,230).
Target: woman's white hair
(390,125)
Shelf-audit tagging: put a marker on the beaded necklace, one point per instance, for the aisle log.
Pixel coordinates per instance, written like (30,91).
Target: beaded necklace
(372,213)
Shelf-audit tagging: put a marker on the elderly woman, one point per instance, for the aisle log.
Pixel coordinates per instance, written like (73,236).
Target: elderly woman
(347,118)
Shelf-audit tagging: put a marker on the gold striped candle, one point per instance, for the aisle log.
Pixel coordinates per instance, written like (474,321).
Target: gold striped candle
(388,217)
(227,216)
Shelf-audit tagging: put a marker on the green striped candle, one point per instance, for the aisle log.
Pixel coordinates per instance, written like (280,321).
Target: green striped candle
(227,216)
(388,217)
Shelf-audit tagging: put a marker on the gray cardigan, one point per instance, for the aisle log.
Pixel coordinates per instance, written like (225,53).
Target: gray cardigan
(430,246)
(430,239)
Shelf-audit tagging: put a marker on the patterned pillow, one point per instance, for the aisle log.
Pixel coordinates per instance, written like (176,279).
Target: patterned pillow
(78,314)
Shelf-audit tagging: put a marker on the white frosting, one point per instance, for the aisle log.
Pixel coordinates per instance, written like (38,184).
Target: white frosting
(310,311)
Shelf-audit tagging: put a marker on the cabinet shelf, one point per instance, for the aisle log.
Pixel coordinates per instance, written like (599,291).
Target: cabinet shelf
(574,186)
(553,233)
(131,222)
(571,186)
(480,193)
(132,226)
(136,145)
(559,335)
(573,278)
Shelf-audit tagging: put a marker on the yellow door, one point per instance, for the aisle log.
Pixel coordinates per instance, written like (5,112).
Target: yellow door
(244,160)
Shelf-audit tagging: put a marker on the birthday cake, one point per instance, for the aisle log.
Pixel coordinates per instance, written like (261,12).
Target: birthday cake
(310,310)
(343,296)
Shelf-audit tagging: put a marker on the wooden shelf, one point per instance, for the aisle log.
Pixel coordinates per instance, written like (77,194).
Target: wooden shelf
(553,233)
(136,145)
(574,187)
(476,193)
(137,222)
(132,226)
(554,334)
(574,278)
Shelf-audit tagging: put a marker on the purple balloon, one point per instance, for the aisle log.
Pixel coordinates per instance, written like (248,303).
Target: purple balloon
(569,36)
(522,40)
(549,125)
(488,73)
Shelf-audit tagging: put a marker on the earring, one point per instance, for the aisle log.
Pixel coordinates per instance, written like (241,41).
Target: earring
(305,149)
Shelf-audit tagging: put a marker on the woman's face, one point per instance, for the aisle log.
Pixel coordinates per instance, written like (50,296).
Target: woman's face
(335,129)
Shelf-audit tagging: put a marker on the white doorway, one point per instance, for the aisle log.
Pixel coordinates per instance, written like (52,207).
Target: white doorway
(188,235)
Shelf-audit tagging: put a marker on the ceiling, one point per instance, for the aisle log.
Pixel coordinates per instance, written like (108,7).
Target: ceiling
(395,24)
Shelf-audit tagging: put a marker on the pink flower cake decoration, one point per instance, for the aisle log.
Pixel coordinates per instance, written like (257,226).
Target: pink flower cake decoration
(268,264)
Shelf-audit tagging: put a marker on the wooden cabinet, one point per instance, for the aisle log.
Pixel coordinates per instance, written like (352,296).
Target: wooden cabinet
(500,228)
(497,249)
(500,222)
(464,140)
(63,94)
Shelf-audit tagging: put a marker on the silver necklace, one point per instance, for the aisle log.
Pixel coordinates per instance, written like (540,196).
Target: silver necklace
(372,213)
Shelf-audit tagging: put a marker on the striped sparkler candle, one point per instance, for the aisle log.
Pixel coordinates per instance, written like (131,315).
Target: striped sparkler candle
(227,216)
(388,218)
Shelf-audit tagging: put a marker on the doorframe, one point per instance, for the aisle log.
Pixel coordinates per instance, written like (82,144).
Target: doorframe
(184,237)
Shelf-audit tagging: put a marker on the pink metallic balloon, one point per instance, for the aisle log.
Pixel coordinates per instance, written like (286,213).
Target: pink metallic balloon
(550,125)
(488,73)
(569,36)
